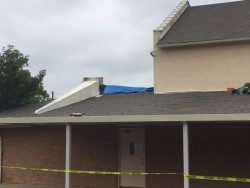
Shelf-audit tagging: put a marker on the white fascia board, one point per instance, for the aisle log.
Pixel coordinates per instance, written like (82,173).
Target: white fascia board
(82,92)
(127,119)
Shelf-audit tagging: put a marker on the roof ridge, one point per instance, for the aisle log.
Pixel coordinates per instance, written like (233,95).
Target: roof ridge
(172,18)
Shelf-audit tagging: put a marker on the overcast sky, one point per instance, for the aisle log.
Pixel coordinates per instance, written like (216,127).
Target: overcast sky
(86,38)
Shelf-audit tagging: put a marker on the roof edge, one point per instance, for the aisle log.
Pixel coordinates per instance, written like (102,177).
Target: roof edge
(124,119)
(169,21)
(204,42)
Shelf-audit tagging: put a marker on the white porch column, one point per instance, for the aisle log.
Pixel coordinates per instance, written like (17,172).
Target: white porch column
(185,153)
(68,156)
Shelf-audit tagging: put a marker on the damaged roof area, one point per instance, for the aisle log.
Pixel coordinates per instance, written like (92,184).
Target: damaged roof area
(146,104)
(210,23)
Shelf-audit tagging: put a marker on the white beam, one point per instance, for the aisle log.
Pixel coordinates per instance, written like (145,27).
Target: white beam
(186,153)
(125,119)
(68,156)
(85,90)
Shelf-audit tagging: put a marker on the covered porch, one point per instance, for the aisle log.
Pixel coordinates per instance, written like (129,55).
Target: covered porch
(205,145)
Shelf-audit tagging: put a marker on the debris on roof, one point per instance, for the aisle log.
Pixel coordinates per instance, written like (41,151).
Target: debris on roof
(90,87)
(244,90)
(114,89)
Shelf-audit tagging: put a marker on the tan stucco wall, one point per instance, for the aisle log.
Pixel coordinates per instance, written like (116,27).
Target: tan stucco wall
(201,68)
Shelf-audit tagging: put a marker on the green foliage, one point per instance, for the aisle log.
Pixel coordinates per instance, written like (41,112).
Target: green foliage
(17,86)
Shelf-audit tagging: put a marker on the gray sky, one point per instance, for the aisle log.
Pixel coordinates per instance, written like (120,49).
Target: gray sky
(86,38)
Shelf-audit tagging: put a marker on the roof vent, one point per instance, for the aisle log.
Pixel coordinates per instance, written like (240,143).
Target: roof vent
(90,87)
(77,114)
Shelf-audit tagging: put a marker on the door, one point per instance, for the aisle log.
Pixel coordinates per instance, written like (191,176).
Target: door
(132,156)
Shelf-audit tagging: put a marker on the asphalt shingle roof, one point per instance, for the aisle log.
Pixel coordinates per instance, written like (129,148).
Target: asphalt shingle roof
(147,104)
(222,21)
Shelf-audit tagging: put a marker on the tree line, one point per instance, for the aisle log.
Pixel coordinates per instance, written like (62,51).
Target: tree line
(17,86)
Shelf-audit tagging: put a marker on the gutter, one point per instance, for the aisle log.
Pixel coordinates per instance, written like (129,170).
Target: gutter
(203,42)
(124,119)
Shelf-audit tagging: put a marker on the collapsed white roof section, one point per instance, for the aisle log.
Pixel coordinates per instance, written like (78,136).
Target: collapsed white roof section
(90,87)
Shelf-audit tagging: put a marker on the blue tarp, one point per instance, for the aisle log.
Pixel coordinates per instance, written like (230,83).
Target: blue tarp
(113,89)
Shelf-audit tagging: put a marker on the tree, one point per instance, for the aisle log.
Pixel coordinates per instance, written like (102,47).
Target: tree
(17,86)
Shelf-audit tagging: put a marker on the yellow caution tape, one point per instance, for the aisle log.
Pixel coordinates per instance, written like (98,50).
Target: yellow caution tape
(216,178)
(89,172)
(197,177)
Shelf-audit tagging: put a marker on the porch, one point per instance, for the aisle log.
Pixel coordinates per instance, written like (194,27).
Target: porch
(215,149)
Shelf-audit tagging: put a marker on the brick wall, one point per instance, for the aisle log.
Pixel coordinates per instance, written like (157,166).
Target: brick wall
(93,148)
(220,150)
(215,150)
(164,154)
(39,147)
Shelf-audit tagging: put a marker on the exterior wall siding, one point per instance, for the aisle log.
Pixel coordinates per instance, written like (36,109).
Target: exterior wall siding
(201,68)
